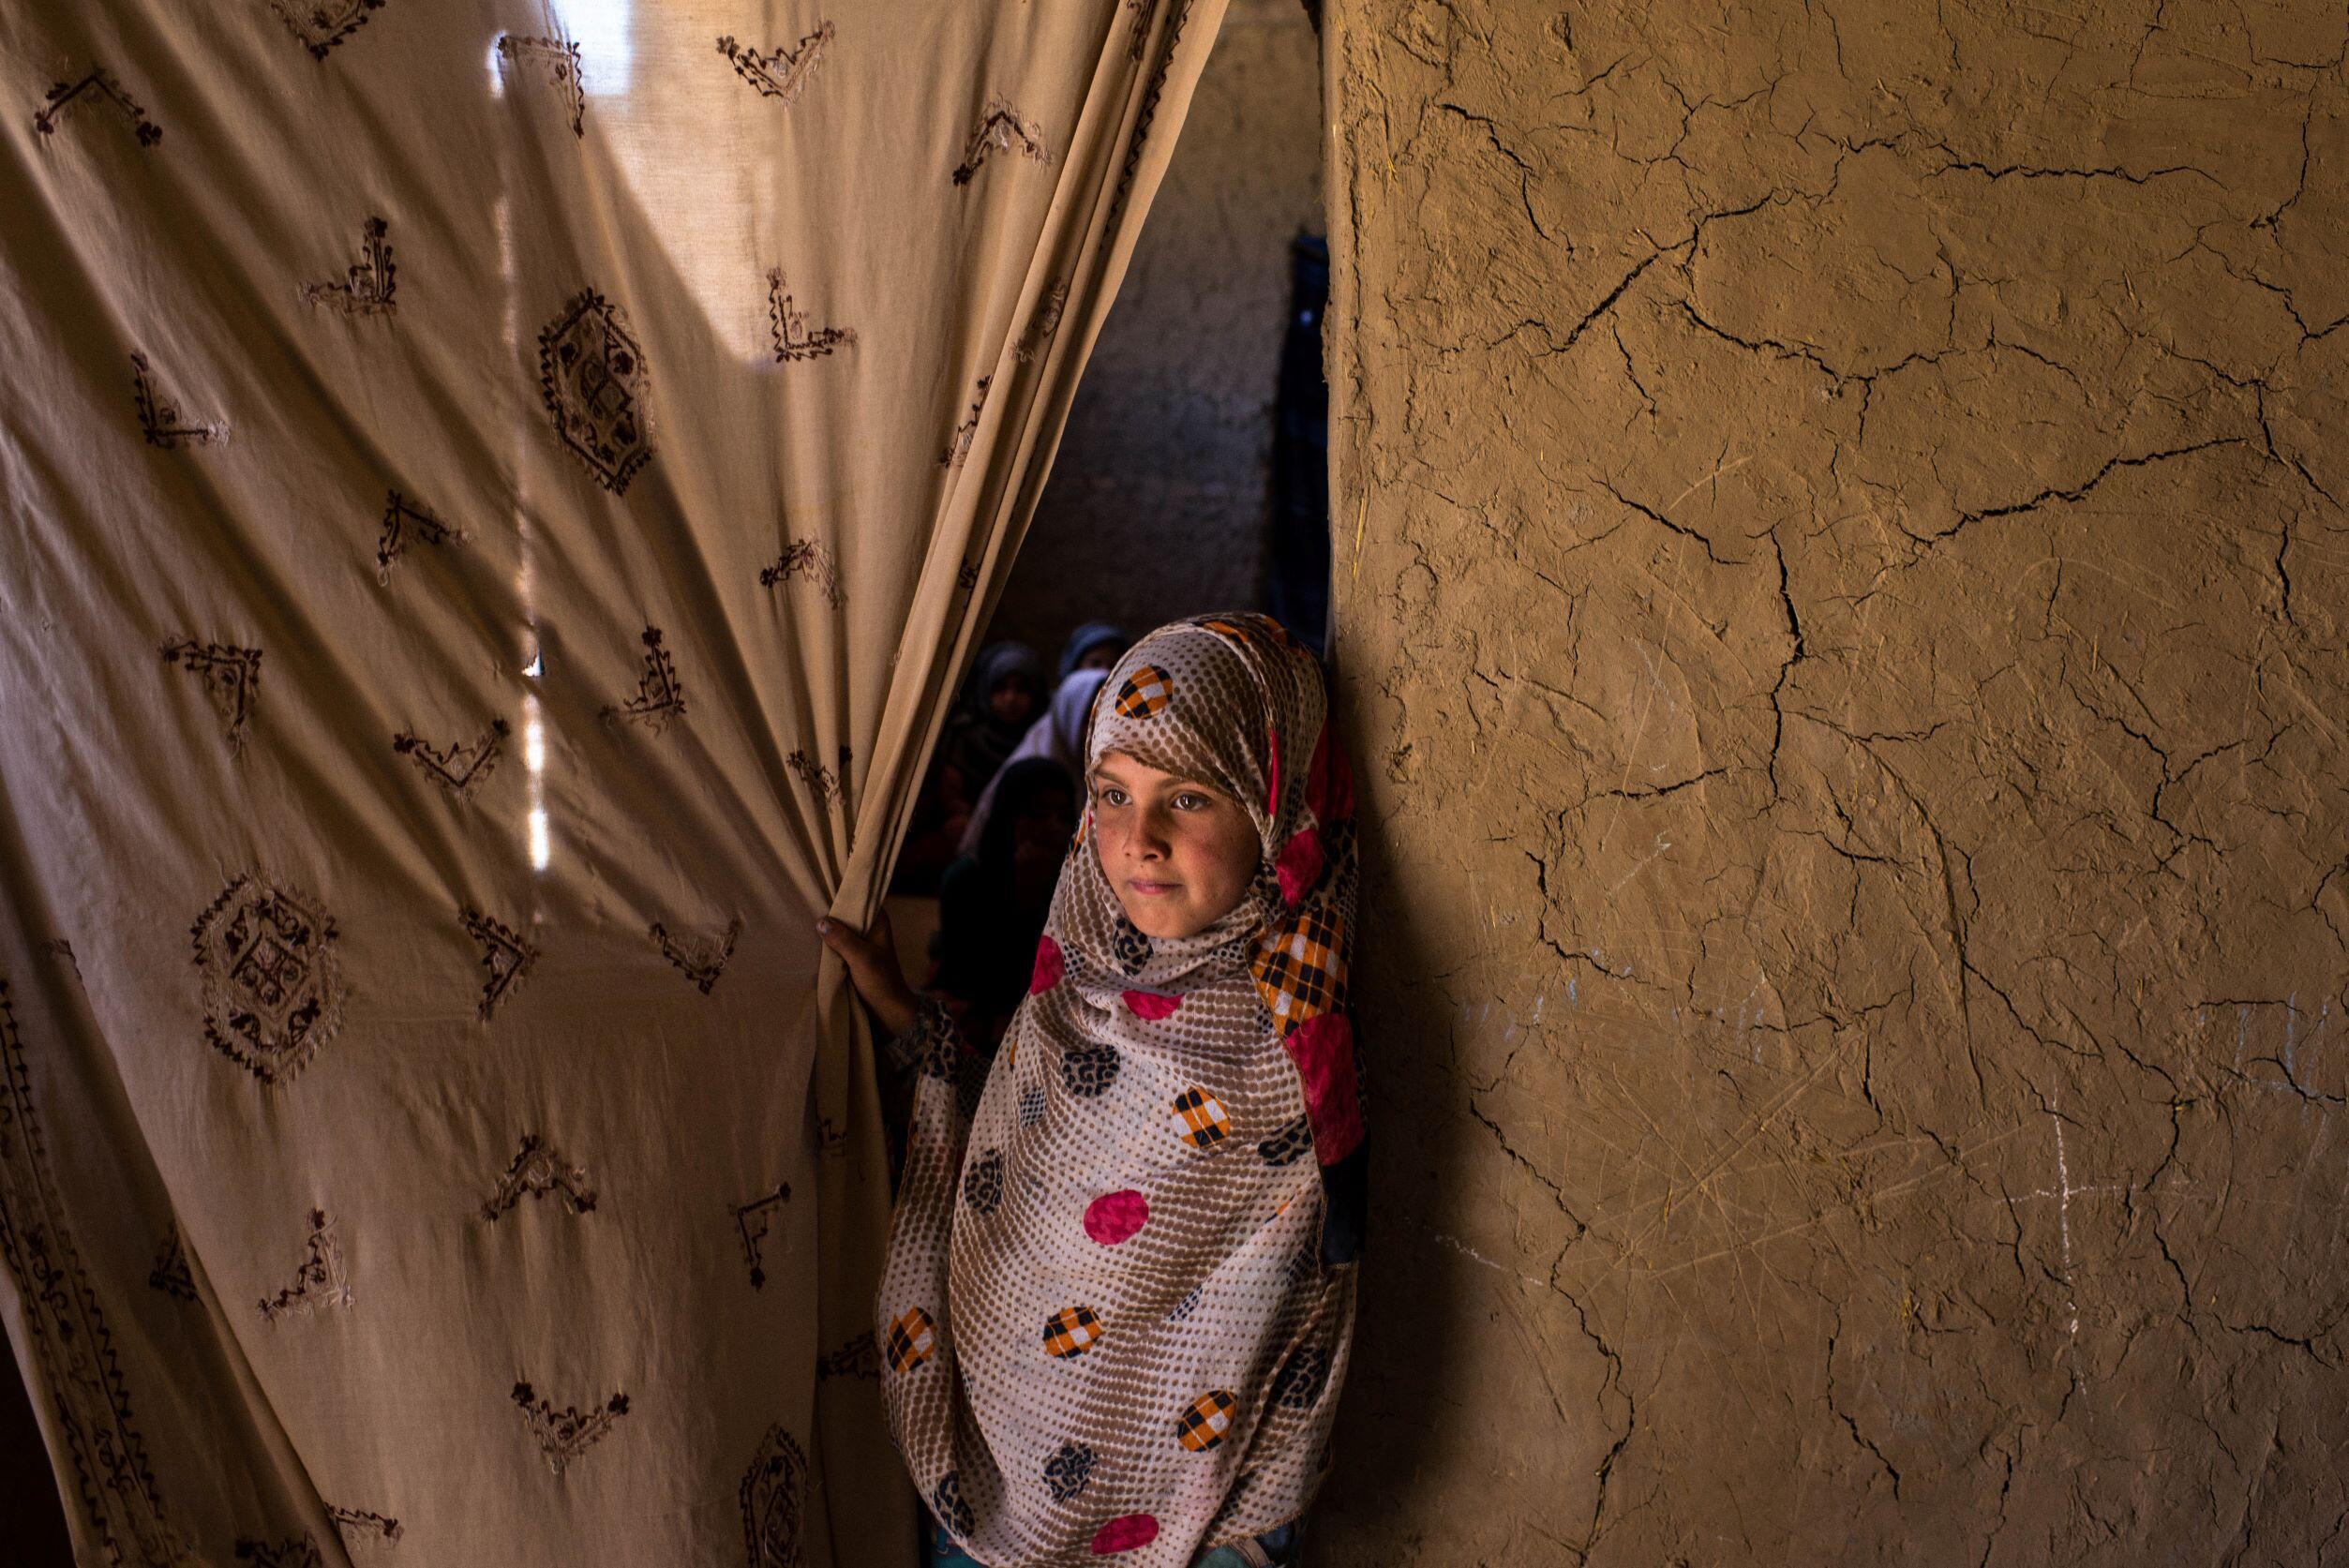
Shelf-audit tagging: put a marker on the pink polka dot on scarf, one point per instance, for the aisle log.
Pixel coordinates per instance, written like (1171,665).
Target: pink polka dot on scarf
(1149,1004)
(1048,965)
(1300,862)
(1323,1049)
(1329,781)
(1124,1535)
(1115,1216)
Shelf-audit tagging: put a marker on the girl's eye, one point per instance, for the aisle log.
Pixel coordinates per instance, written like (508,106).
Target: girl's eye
(1110,795)
(1190,800)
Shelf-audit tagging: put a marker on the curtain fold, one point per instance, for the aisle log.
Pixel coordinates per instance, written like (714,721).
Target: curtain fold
(494,500)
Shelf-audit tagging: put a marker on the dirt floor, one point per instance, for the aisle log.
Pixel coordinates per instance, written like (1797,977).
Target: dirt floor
(1842,591)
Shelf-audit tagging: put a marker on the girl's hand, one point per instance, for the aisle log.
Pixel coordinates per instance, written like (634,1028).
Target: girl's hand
(872,959)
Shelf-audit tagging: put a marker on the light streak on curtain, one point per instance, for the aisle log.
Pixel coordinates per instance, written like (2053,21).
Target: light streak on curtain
(494,499)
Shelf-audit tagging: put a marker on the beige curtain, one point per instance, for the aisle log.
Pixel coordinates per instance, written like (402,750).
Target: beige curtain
(493,502)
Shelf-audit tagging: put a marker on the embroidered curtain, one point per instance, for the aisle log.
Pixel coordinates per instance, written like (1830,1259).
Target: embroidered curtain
(493,500)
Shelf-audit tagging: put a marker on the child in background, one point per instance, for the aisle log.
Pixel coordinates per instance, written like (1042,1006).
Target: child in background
(1059,734)
(1120,1290)
(992,902)
(999,698)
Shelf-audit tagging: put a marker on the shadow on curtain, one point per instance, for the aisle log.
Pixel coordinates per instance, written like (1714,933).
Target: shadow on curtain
(496,498)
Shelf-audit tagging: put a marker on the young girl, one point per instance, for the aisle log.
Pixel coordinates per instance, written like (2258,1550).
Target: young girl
(1120,1288)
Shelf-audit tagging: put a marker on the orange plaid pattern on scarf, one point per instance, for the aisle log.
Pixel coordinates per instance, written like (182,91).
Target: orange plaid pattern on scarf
(1144,693)
(1071,1331)
(1200,1119)
(1298,969)
(913,1339)
(1207,1420)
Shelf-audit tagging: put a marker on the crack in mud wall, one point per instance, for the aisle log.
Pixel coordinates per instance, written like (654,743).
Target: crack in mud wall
(1842,583)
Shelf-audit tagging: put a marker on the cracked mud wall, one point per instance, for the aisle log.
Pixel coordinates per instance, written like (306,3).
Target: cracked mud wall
(1166,457)
(1842,587)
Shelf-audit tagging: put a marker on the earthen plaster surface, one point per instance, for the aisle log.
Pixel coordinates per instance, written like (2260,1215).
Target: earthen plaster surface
(1842,591)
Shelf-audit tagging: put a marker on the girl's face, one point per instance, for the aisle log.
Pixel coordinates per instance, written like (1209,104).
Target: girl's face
(1179,854)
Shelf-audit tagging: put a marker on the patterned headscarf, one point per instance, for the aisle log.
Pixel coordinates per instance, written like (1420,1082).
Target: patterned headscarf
(1120,1294)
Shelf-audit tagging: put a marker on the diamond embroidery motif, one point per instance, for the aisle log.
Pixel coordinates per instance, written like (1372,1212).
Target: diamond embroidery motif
(367,289)
(271,986)
(592,377)
(565,1434)
(780,73)
(231,679)
(774,1491)
(321,1280)
(461,766)
(537,1171)
(320,24)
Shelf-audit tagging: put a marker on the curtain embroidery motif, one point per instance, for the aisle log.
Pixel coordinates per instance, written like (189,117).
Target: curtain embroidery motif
(320,24)
(71,1349)
(558,59)
(781,72)
(402,520)
(171,1275)
(592,374)
(537,1169)
(860,1358)
(162,422)
(794,339)
(566,1433)
(271,983)
(701,959)
(752,1220)
(808,558)
(231,678)
(775,1489)
(460,767)
(1001,129)
(1044,324)
(100,86)
(660,696)
(367,284)
(322,1279)
(358,1525)
(505,955)
(825,784)
(1148,112)
(958,446)
(294,1551)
